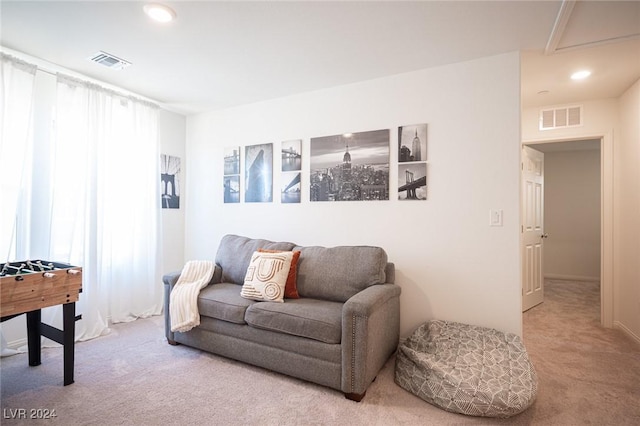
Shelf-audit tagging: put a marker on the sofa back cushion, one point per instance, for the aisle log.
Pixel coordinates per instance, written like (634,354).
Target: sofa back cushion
(234,255)
(337,273)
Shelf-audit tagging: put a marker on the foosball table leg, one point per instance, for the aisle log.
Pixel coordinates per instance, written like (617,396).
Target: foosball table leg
(33,336)
(69,327)
(66,337)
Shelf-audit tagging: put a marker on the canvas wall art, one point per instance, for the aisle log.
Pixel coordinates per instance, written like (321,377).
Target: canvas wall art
(231,178)
(291,186)
(170,181)
(258,173)
(412,181)
(291,155)
(232,161)
(231,188)
(351,166)
(412,143)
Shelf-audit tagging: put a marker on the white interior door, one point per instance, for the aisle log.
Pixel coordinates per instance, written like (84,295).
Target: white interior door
(532,227)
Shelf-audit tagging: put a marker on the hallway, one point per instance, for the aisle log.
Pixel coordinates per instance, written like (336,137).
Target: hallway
(584,370)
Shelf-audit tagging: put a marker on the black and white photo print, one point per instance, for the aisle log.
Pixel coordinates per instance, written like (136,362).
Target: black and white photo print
(258,173)
(351,166)
(292,155)
(412,181)
(170,181)
(412,143)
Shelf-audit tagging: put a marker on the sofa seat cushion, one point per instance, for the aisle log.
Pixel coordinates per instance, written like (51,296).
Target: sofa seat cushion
(307,348)
(223,301)
(311,318)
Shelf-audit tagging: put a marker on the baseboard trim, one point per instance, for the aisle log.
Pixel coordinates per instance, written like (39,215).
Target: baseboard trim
(17,344)
(570,277)
(625,330)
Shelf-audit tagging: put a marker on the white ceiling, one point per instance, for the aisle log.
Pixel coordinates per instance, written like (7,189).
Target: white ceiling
(221,54)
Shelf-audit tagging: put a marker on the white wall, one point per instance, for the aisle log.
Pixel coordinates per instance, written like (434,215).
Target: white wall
(172,142)
(449,262)
(572,214)
(599,118)
(627,214)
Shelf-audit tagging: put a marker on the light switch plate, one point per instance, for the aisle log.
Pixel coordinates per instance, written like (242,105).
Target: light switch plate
(495,217)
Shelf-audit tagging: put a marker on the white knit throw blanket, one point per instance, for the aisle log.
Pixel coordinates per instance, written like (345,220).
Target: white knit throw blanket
(183,301)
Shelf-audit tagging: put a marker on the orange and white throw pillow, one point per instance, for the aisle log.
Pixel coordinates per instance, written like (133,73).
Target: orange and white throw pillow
(266,276)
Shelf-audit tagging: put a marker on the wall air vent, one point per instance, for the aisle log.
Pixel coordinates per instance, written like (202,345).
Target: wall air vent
(109,61)
(560,117)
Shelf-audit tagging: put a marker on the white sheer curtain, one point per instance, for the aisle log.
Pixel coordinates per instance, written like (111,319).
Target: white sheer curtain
(105,212)
(100,195)
(16,100)
(17,84)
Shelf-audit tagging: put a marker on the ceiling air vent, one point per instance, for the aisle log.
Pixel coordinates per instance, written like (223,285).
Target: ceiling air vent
(109,61)
(557,118)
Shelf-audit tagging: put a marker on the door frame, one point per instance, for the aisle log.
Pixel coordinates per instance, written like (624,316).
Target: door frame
(606,217)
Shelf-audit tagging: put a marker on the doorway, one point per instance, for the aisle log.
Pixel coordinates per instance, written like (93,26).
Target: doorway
(591,260)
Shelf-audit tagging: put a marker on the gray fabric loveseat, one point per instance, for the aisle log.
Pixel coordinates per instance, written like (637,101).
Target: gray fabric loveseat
(338,333)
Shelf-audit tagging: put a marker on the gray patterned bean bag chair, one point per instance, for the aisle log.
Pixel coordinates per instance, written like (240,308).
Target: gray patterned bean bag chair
(465,369)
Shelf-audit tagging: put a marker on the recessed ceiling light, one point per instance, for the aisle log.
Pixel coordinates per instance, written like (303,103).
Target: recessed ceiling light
(580,75)
(159,12)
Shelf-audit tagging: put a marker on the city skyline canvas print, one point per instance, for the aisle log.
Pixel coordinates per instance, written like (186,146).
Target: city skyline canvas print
(350,166)
(412,143)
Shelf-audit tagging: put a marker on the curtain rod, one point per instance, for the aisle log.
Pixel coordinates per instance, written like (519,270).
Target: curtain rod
(95,83)
(82,79)
(39,68)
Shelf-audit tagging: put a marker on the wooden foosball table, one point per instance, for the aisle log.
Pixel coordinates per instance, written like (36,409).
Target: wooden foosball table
(29,286)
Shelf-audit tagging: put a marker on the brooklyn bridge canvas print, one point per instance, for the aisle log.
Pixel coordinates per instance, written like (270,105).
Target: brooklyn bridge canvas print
(291,152)
(350,167)
(170,181)
(412,166)
(412,181)
(231,176)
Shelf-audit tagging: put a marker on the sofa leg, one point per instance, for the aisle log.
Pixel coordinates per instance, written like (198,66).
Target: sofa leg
(172,342)
(357,397)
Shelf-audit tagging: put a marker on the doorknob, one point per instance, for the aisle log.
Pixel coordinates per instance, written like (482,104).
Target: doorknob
(544,236)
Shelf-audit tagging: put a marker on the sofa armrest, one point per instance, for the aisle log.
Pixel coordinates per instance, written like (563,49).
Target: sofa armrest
(171,278)
(370,335)
(169,281)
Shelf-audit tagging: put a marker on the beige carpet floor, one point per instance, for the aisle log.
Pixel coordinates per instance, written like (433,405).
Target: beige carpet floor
(588,376)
